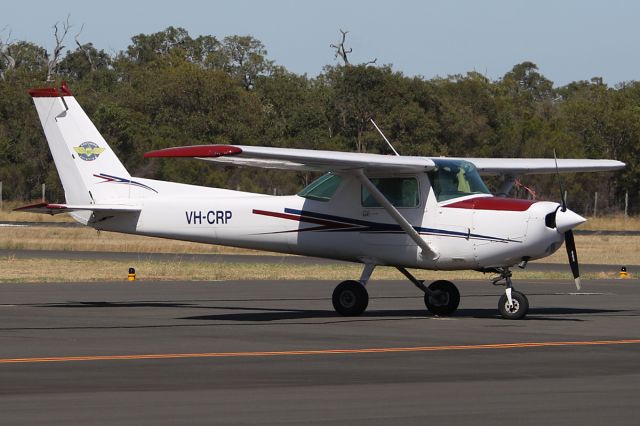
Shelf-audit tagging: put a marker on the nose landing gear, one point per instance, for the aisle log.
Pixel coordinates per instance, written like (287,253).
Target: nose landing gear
(512,304)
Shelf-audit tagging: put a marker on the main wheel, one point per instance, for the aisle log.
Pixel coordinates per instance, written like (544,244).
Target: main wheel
(350,298)
(517,310)
(442,298)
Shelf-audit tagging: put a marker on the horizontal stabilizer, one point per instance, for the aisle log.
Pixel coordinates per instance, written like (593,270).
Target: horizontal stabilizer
(48,208)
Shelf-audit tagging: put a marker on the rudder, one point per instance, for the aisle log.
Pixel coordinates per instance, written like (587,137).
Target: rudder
(85,162)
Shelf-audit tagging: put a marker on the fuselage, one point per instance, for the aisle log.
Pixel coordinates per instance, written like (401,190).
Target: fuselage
(472,231)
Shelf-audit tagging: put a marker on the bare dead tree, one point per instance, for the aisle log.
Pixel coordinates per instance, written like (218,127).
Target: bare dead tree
(340,49)
(60,34)
(343,52)
(85,50)
(370,62)
(7,61)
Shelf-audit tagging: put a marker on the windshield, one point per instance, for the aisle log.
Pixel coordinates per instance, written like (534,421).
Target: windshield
(322,189)
(455,178)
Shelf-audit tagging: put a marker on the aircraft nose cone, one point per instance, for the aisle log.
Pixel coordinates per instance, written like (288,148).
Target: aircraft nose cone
(566,220)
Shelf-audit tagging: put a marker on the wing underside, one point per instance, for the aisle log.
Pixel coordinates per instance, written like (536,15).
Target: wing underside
(297,159)
(323,161)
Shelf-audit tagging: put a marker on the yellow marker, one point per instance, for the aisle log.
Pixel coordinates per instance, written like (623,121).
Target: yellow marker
(132,274)
(623,272)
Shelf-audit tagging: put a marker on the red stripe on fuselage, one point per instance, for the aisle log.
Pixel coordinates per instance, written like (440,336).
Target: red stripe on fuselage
(493,203)
(326,223)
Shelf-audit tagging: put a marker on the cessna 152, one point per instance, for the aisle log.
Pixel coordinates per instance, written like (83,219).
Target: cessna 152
(400,211)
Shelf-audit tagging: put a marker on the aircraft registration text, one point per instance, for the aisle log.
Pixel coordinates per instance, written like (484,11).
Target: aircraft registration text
(211,217)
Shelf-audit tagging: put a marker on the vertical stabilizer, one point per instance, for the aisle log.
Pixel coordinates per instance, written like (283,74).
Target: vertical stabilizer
(86,164)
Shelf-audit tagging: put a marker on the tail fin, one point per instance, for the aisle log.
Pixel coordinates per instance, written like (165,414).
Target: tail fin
(84,160)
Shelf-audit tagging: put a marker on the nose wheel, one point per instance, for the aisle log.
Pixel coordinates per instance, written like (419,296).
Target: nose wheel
(516,309)
(512,304)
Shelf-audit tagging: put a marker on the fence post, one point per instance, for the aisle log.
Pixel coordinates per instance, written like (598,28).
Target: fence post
(626,204)
(1,195)
(595,205)
(43,189)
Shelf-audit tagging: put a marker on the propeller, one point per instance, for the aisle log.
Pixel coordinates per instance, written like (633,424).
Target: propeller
(573,257)
(570,222)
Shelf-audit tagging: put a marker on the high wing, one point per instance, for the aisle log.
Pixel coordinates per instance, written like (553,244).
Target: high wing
(297,159)
(321,161)
(48,208)
(528,166)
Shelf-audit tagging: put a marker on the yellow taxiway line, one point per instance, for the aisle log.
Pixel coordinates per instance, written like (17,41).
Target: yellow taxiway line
(317,352)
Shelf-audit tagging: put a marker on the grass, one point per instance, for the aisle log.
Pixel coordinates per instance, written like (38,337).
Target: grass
(615,250)
(617,222)
(88,239)
(64,270)
(599,249)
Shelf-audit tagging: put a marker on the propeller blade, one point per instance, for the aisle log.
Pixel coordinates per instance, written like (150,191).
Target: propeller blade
(564,202)
(573,256)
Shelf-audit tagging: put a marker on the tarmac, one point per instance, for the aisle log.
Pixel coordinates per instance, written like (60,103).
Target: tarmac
(274,352)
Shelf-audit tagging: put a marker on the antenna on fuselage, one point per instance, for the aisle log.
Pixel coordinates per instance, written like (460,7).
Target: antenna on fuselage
(384,137)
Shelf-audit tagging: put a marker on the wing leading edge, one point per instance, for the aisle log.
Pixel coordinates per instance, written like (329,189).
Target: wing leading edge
(297,159)
(529,166)
(322,161)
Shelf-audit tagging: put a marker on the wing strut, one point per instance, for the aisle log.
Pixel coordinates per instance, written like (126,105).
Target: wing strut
(395,214)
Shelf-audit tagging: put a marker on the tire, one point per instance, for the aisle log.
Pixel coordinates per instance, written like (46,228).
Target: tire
(518,310)
(443,298)
(350,298)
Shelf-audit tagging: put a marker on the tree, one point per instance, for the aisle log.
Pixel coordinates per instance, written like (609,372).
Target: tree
(343,53)
(245,59)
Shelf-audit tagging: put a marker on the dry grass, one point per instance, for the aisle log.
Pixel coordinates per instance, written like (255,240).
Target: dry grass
(63,270)
(599,249)
(612,223)
(602,249)
(88,239)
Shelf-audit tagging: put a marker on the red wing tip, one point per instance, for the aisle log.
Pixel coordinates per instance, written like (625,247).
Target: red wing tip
(51,92)
(204,151)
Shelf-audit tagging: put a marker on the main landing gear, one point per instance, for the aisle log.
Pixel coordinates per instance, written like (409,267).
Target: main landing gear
(350,298)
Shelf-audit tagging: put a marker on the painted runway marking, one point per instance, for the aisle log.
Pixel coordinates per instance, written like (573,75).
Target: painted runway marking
(318,352)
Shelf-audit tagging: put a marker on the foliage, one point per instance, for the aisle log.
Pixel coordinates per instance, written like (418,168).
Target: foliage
(169,89)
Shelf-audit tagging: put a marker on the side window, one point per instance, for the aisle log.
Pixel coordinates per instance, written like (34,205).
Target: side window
(322,189)
(401,192)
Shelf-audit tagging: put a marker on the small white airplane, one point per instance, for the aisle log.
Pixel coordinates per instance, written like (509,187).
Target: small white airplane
(407,212)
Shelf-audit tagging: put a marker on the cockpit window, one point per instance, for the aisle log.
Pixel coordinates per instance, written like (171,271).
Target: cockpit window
(455,178)
(322,189)
(401,192)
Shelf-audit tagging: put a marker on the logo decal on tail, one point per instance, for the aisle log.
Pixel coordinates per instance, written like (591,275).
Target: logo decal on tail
(88,151)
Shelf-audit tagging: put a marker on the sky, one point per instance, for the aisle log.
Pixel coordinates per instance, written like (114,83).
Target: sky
(569,40)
